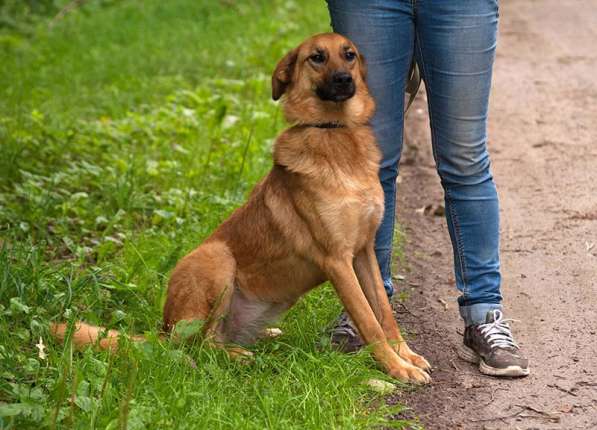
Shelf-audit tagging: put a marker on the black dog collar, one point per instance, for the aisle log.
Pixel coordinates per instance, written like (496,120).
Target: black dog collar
(325,125)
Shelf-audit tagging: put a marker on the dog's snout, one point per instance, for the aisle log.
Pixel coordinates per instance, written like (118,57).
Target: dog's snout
(342,78)
(338,86)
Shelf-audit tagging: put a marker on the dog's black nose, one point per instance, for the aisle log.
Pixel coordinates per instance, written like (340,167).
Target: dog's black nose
(341,78)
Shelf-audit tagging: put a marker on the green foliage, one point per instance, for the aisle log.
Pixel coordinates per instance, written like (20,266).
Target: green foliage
(19,17)
(128,132)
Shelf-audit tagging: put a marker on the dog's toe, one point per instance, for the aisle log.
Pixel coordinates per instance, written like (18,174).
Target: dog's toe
(419,376)
(421,363)
(240,354)
(413,358)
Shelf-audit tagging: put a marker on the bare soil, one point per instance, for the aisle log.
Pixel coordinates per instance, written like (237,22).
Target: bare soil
(543,141)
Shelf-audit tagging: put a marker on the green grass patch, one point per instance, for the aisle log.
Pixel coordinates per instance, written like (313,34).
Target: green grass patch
(128,132)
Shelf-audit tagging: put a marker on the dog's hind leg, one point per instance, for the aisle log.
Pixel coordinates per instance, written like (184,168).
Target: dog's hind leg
(214,329)
(201,288)
(249,316)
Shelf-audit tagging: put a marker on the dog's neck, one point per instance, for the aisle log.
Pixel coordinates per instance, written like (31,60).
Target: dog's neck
(354,112)
(325,153)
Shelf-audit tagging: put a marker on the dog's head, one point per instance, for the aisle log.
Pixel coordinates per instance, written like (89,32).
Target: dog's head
(323,80)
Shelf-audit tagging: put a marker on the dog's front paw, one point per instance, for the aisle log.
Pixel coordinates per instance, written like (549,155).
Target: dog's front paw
(409,373)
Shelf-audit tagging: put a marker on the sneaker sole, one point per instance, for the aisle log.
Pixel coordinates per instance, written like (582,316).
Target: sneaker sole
(467,354)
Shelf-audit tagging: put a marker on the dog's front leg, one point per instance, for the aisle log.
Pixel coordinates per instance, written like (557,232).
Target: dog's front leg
(344,279)
(367,271)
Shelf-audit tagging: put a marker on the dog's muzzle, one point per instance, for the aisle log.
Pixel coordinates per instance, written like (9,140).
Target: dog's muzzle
(339,87)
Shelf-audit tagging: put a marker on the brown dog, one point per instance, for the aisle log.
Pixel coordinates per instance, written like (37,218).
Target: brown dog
(312,218)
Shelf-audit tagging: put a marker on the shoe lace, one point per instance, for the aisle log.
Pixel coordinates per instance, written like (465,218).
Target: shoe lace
(498,332)
(345,326)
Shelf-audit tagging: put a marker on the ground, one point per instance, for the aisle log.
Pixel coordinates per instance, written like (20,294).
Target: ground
(544,159)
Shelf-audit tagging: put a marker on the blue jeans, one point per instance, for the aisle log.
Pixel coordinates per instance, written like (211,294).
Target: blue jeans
(454,44)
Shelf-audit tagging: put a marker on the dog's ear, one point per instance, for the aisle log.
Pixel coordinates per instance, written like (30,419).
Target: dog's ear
(283,74)
(363,67)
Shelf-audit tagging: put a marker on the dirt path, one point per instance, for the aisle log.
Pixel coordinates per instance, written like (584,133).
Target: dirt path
(543,140)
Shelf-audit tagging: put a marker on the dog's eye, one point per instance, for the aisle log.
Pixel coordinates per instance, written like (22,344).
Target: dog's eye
(317,58)
(349,55)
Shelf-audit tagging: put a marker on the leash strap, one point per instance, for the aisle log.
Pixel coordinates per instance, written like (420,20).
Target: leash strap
(413,84)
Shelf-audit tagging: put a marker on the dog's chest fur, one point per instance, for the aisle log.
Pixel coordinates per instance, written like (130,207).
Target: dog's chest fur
(338,174)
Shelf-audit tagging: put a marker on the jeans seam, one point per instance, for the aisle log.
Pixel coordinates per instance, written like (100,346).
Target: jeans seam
(389,263)
(459,243)
(428,89)
(453,216)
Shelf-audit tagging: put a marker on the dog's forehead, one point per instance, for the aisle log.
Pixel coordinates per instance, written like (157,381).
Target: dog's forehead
(327,41)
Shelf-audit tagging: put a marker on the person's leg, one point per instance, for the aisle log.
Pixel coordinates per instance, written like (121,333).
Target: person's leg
(455,48)
(383,32)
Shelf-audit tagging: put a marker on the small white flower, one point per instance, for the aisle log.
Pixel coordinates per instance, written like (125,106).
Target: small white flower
(189,113)
(41,348)
(229,121)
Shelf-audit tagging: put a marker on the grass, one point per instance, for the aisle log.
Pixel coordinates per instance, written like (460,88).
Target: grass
(128,132)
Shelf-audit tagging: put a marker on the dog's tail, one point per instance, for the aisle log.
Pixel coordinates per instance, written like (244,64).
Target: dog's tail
(89,335)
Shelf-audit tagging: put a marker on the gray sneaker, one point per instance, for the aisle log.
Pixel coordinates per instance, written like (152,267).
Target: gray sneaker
(493,347)
(345,337)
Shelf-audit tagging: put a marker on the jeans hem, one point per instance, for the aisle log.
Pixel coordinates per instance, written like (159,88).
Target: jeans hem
(475,314)
(389,287)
